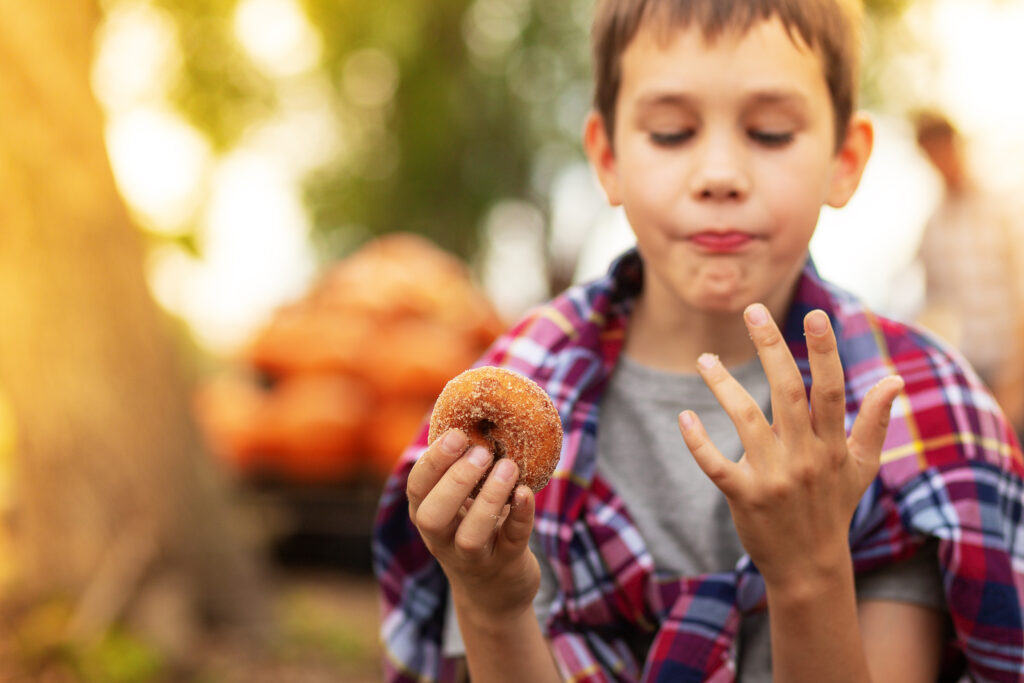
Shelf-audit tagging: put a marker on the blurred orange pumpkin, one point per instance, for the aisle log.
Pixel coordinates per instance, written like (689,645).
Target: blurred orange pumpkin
(230,409)
(389,430)
(352,369)
(312,426)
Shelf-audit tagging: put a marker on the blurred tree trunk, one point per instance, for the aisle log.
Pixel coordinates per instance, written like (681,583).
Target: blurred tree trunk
(115,498)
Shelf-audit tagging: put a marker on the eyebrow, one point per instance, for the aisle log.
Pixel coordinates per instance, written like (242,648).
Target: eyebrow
(661,99)
(784,97)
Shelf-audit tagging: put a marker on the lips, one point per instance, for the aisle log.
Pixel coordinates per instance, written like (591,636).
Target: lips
(722,242)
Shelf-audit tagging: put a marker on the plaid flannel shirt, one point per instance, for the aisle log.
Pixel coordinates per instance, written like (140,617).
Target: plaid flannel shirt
(951,470)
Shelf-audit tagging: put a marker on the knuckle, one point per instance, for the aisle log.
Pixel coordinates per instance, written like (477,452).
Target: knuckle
(427,466)
(777,488)
(771,337)
(714,470)
(429,463)
(832,393)
(794,392)
(429,522)
(464,477)
(750,413)
(413,495)
(838,454)
(465,544)
(823,344)
(805,473)
(492,494)
(715,377)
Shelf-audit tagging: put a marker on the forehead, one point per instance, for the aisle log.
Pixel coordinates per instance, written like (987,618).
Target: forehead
(763,58)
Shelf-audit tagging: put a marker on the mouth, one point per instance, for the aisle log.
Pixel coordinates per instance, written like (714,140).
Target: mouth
(722,242)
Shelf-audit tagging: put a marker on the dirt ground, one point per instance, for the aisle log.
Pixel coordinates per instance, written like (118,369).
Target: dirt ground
(328,633)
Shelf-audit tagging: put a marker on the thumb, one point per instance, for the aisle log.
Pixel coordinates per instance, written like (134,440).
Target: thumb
(872,423)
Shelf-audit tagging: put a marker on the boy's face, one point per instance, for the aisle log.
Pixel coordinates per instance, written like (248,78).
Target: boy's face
(723,156)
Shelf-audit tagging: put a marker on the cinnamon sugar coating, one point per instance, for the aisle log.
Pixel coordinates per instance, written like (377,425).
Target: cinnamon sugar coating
(508,414)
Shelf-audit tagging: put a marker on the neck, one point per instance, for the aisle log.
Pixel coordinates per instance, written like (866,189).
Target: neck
(675,340)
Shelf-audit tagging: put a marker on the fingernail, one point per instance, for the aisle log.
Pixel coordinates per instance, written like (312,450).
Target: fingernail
(520,497)
(454,441)
(707,361)
(817,322)
(757,315)
(504,470)
(686,417)
(479,456)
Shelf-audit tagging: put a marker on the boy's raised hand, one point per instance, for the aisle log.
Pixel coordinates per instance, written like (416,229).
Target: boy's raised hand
(793,493)
(482,545)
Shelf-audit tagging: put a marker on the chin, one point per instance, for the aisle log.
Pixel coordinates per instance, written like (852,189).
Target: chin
(722,305)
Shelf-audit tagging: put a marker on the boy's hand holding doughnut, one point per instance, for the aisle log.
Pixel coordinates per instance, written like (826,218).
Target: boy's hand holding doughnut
(471,513)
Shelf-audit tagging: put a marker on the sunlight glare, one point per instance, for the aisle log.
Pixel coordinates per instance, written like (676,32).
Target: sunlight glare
(160,164)
(256,252)
(512,264)
(305,132)
(277,36)
(981,49)
(137,55)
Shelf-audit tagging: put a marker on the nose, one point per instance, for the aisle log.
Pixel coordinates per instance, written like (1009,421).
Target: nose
(720,173)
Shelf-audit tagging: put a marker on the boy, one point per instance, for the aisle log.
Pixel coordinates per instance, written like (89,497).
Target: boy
(721,128)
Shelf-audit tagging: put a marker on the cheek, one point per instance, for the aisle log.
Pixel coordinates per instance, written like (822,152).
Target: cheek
(654,178)
(798,191)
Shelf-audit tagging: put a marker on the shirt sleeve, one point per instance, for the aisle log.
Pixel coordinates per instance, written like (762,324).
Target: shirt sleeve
(451,642)
(916,580)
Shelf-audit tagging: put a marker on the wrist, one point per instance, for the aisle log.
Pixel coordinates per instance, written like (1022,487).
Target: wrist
(489,620)
(822,574)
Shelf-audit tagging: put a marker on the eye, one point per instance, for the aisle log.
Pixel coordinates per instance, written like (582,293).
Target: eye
(670,139)
(770,138)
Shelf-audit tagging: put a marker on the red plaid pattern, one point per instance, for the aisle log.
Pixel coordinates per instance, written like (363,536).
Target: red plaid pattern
(952,470)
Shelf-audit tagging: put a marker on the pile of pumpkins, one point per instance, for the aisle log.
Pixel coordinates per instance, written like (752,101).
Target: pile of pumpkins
(337,384)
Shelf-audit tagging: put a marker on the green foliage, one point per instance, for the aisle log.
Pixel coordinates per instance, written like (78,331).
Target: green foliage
(39,646)
(220,92)
(885,8)
(119,658)
(451,141)
(467,124)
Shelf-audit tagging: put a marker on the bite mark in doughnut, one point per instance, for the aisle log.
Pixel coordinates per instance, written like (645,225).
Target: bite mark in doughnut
(506,413)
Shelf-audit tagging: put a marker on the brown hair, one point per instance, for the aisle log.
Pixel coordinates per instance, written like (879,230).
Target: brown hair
(830,27)
(931,125)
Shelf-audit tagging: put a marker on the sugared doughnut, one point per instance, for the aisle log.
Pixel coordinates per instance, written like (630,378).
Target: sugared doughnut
(508,414)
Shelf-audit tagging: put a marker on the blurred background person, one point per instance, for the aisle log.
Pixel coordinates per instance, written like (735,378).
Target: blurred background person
(971,255)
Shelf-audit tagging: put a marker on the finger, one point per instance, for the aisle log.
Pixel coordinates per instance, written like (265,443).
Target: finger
(476,532)
(519,524)
(720,470)
(438,514)
(432,465)
(742,409)
(828,387)
(869,429)
(789,396)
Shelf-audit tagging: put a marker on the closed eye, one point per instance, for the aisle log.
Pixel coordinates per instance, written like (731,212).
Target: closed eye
(670,139)
(770,138)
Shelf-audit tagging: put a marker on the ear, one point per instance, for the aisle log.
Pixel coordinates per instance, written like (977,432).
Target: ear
(598,147)
(850,160)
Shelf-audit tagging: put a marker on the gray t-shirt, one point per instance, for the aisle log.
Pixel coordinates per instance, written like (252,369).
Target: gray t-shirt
(683,517)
